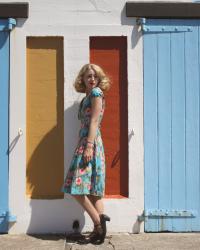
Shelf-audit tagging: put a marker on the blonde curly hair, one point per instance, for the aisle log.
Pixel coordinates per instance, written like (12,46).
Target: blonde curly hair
(104,83)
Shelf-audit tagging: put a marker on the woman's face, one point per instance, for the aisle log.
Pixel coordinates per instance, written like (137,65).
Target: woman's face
(90,79)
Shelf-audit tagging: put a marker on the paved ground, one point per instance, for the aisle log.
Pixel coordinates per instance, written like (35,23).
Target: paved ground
(157,241)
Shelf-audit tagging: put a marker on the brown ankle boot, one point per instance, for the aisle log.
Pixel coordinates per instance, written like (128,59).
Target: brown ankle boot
(103,219)
(95,237)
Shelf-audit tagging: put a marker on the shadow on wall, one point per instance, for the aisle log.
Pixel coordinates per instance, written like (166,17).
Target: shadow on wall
(131,21)
(136,229)
(56,215)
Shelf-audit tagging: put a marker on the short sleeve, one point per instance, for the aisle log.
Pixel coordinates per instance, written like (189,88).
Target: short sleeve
(95,92)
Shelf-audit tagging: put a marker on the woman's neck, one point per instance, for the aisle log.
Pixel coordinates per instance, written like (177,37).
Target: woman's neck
(87,92)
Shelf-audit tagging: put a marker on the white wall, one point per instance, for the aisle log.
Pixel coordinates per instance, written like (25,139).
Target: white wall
(76,21)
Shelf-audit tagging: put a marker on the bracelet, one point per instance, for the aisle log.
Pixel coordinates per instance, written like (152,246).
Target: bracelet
(90,142)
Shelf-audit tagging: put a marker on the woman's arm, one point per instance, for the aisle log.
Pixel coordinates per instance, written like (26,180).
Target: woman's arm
(96,106)
(95,113)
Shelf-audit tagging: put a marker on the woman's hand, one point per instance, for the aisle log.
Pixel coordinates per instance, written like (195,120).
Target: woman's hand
(88,153)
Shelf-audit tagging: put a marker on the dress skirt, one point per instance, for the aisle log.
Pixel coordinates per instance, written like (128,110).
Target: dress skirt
(87,178)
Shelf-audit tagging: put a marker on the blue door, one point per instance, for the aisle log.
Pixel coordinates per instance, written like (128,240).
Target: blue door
(5,26)
(172,125)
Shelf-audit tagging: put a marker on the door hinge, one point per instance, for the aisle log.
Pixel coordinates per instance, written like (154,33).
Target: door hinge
(7,215)
(7,24)
(156,213)
(161,28)
(11,23)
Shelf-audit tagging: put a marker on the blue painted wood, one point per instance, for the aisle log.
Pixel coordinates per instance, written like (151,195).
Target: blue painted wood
(4,86)
(150,124)
(178,126)
(192,124)
(171,124)
(164,128)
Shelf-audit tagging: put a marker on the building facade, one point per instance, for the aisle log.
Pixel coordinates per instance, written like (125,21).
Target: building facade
(150,129)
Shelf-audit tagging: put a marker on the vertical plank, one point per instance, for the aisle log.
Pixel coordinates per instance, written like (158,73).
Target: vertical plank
(45,117)
(111,54)
(150,128)
(178,126)
(198,171)
(164,127)
(192,124)
(4,87)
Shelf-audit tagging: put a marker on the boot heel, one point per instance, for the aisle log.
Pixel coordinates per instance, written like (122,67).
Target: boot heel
(106,217)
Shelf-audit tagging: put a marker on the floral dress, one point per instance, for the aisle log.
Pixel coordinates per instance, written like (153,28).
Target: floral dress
(87,178)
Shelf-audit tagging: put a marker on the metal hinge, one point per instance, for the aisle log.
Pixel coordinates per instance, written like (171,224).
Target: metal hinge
(157,213)
(11,23)
(161,28)
(7,215)
(7,24)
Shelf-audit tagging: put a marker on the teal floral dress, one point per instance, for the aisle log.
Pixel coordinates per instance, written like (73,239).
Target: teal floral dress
(87,178)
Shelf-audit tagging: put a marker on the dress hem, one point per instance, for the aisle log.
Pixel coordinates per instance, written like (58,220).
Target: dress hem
(71,193)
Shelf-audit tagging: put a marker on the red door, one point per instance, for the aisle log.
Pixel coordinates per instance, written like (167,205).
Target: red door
(111,54)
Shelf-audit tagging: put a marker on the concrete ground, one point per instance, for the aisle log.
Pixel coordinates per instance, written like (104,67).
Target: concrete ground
(121,241)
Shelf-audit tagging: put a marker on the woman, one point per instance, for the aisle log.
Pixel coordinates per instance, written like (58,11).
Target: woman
(85,180)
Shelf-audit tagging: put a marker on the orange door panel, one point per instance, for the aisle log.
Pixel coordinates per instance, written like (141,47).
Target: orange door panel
(45,117)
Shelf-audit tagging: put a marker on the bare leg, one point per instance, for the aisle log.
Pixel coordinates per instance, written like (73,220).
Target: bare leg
(88,206)
(97,203)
